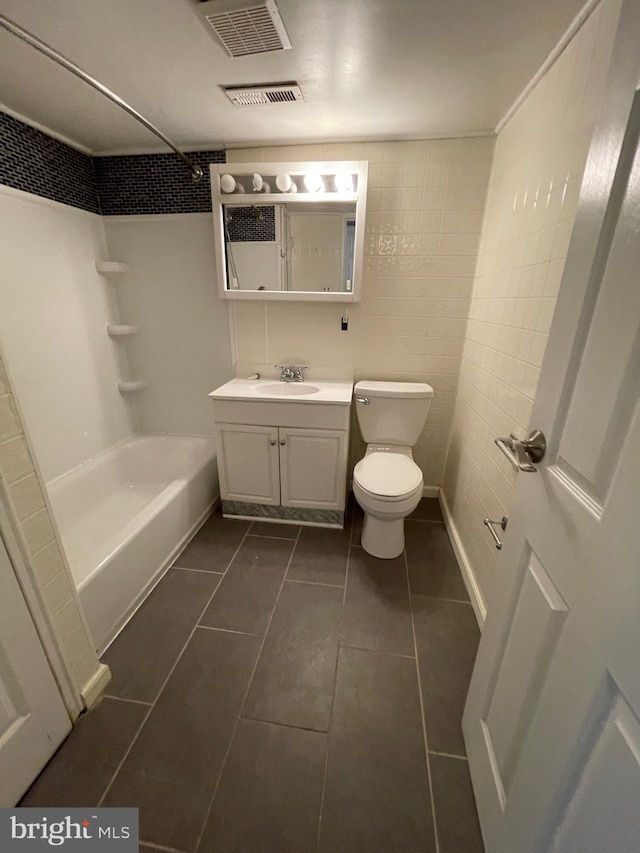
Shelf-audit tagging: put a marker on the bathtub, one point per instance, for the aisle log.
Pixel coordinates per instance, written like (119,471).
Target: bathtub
(125,515)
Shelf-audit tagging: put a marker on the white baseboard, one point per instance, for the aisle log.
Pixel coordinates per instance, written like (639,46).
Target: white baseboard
(470,580)
(430,491)
(96,685)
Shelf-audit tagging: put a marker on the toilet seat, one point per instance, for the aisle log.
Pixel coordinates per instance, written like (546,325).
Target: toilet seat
(388,476)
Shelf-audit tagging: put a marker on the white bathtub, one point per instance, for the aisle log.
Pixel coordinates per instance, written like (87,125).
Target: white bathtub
(125,515)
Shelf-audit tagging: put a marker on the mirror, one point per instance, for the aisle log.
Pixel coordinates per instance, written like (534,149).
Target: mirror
(289,230)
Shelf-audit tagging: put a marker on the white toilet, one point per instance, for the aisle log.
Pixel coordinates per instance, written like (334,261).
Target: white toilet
(387,482)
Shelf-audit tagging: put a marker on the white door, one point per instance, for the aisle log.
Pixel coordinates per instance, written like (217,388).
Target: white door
(312,462)
(33,719)
(552,722)
(248,463)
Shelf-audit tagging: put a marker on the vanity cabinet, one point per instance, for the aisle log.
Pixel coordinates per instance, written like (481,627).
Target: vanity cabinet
(283,466)
(283,448)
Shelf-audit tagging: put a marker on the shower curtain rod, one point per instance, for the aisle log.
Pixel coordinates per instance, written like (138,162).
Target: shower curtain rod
(43,47)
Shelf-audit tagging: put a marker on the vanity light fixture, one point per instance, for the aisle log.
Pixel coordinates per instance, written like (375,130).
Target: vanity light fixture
(313,182)
(343,181)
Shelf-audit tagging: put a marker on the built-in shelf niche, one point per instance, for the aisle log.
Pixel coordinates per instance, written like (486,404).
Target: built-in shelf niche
(132,386)
(111,267)
(121,330)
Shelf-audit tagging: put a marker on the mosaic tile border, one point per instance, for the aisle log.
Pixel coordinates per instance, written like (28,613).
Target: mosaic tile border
(251,224)
(140,184)
(34,162)
(326,517)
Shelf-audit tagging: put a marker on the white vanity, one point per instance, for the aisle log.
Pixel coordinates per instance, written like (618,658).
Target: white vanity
(283,448)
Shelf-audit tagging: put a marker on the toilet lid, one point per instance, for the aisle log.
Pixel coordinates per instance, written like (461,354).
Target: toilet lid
(388,474)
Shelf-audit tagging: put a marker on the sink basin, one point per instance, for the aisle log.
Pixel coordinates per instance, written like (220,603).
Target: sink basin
(286,389)
(268,391)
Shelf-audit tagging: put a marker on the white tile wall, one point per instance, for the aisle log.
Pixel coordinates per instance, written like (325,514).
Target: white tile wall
(535,182)
(424,212)
(26,493)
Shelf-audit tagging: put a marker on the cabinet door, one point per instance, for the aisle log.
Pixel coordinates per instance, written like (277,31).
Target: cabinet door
(248,463)
(313,467)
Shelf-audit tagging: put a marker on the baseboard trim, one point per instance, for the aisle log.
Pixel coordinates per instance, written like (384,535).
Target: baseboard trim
(470,580)
(430,491)
(96,686)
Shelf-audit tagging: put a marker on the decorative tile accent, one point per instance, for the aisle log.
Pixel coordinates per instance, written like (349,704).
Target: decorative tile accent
(328,517)
(154,183)
(34,162)
(251,224)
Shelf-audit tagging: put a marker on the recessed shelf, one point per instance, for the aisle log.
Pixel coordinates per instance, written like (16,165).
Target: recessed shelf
(111,267)
(121,330)
(132,386)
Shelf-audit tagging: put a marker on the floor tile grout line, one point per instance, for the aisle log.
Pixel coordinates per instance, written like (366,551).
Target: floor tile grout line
(315,583)
(284,725)
(200,571)
(227,631)
(244,698)
(448,755)
(166,681)
(439,598)
(335,683)
(160,847)
(422,714)
(125,699)
(279,538)
(376,651)
(427,520)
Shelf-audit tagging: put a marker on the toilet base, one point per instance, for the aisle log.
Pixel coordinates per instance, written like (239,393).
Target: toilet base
(383,538)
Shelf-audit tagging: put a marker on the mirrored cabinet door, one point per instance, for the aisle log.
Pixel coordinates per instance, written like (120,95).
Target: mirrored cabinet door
(289,230)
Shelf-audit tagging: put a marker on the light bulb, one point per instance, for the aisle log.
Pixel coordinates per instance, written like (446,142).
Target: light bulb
(283,182)
(227,183)
(343,181)
(313,182)
(257,182)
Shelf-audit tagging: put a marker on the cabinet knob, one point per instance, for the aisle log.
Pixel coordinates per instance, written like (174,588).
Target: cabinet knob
(282,442)
(272,442)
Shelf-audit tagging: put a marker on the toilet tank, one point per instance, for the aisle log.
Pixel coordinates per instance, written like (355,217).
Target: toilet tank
(395,413)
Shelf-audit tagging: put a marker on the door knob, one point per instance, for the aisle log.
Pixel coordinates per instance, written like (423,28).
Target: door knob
(522,453)
(272,442)
(282,442)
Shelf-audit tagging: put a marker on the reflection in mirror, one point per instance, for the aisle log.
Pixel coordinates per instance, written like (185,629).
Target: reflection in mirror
(289,230)
(303,247)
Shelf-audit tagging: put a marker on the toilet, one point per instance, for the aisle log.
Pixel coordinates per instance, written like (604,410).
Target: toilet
(387,483)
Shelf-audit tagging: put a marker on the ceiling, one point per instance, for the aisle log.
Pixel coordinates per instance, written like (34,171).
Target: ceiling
(369,69)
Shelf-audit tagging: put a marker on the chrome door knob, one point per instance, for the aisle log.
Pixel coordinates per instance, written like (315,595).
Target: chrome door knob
(522,453)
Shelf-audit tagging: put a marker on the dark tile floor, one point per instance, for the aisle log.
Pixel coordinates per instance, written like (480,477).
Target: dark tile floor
(275,694)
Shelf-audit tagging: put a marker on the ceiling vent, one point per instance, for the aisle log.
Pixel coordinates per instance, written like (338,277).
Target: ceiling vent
(246,28)
(270,93)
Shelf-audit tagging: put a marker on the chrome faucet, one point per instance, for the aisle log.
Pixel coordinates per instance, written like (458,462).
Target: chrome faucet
(291,372)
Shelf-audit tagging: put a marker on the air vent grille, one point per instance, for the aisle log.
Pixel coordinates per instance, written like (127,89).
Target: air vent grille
(246,30)
(271,93)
